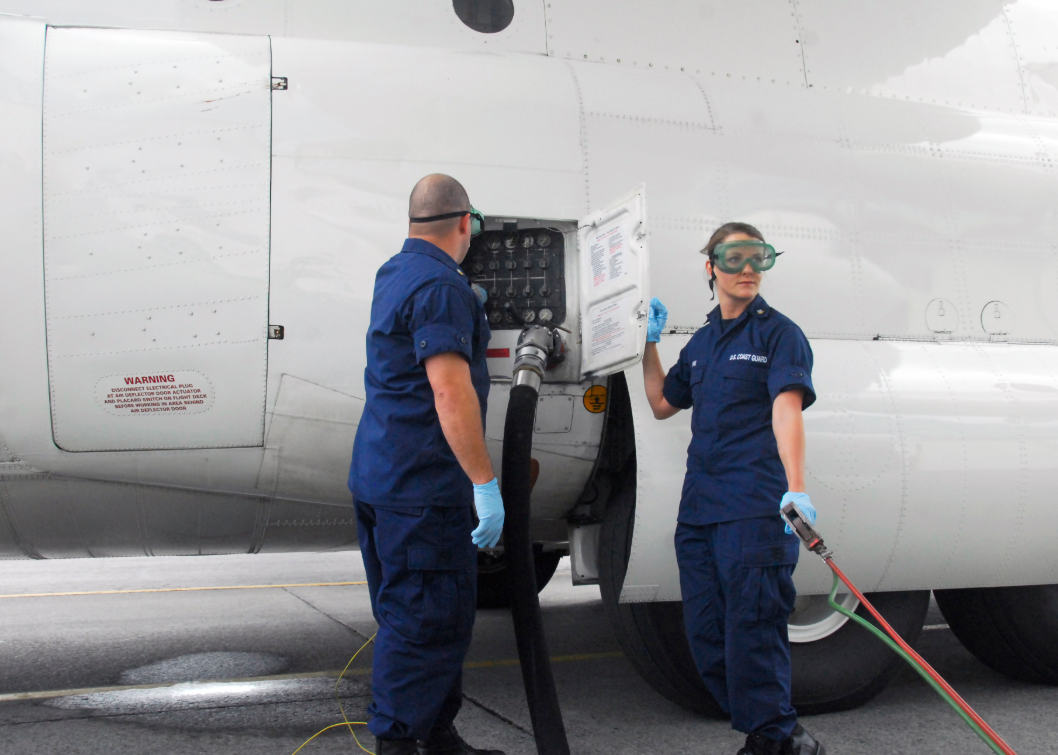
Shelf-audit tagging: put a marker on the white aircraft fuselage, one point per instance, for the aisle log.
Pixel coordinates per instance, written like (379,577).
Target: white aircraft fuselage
(209,170)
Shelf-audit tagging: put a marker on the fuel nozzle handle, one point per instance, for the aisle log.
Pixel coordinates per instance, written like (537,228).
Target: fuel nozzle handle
(804,530)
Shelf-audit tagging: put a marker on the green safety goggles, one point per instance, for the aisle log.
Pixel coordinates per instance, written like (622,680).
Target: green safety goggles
(477,220)
(733,257)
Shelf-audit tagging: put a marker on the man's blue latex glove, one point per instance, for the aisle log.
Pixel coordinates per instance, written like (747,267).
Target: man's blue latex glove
(489,505)
(804,503)
(656,319)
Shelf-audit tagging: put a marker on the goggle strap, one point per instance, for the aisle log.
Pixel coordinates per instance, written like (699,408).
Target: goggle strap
(444,216)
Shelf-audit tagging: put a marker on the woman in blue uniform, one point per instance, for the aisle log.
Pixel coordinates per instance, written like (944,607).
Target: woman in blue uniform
(746,375)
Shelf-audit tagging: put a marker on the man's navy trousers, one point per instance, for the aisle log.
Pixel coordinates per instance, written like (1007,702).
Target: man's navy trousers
(422,574)
(736,579)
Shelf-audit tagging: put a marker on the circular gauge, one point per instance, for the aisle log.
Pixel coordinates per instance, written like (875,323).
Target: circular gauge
(543,239)
(494,265)
(528,315)
(527,264)
(478,267)
(543,263)
(527,291)
(510,241)
(495,316)
(508,318)
(511,264)
(494,242)
(527,241)
(510,292)
(546,315)
(545,291)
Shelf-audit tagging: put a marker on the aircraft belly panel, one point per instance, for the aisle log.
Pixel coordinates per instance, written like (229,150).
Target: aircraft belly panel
(906,441)
(156,220)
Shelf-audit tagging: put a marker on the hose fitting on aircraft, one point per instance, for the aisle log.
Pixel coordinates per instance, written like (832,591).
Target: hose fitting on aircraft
(537,349)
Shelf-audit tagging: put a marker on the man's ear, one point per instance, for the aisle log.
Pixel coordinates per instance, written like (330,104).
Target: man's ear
(464,225)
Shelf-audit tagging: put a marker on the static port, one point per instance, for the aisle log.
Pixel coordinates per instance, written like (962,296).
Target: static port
(494,242)
(511,264)
(528,316)
(545,291)
(546,315)
(510,241)
(543,240)
(527,241)
(543,263)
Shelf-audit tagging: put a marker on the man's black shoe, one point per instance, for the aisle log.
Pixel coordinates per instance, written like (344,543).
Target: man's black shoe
(802,743)
(447,741)
(396,747)
(757,744)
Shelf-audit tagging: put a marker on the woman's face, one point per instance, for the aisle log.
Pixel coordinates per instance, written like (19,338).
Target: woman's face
(743,286)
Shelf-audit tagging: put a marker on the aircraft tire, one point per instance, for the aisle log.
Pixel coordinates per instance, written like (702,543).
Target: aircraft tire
(492,577)
(841,671)
(1010,629)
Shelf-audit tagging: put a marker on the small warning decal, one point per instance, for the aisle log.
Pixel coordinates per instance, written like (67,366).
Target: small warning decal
(595,399)
(179,392)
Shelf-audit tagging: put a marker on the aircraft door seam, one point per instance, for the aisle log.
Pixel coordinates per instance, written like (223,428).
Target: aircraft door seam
(583,137)
(904,465)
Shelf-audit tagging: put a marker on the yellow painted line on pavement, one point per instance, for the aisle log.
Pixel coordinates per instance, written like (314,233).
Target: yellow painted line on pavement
(175,589)
(50,694)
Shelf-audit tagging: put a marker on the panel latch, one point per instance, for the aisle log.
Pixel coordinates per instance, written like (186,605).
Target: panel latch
(275,332)
(279,83)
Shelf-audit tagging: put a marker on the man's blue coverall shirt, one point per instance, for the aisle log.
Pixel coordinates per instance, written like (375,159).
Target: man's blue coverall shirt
(730,378)
(423,305)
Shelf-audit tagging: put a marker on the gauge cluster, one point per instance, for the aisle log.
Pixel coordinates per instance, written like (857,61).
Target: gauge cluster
(523,271)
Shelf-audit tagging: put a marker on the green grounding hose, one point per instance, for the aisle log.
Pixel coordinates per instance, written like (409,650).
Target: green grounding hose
(914,664)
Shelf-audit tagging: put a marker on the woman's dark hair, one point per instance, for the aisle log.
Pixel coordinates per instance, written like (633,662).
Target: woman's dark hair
(722,233)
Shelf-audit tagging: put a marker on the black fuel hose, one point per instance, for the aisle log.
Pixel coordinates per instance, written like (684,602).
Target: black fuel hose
(544,712)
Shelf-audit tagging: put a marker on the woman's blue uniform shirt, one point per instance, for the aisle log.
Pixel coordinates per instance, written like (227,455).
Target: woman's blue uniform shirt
(731,378)
(423,305)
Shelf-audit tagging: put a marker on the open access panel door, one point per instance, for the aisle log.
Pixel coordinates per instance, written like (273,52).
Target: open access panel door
(157,150)
(614,286)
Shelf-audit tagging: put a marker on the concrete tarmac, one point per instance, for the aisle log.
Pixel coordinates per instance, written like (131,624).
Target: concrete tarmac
(141,665)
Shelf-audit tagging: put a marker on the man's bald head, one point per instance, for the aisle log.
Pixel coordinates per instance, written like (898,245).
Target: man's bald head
(437,194)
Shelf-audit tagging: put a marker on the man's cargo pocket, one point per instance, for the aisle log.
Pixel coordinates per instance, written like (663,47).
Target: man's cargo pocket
(449,589)
(767,593)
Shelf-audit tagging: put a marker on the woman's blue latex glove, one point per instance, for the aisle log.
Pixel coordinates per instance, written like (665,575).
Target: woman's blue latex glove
(656,320)
(804,503)
(489,505)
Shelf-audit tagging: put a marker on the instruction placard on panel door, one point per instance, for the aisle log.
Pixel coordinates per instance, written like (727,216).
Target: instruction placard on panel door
(614,267)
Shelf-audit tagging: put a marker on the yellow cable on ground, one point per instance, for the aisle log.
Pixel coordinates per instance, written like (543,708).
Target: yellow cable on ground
(349,724)
(345,719)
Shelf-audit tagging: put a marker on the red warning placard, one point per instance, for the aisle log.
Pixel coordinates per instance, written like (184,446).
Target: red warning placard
(172,393)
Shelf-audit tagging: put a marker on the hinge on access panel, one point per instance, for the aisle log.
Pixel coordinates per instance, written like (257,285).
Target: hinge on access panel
(279,83)
(275,332)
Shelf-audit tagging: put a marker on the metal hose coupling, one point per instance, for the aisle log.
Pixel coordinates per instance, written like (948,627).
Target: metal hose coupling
(536,350)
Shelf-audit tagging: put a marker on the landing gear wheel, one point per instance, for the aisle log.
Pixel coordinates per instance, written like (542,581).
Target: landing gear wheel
(1011,629)
(492,576)
(841,667)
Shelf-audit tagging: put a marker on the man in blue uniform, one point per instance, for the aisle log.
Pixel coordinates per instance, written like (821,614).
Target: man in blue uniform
(747,376)
(419,469)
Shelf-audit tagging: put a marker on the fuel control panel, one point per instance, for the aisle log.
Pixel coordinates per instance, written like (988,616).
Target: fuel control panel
(524,273)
